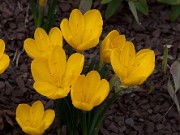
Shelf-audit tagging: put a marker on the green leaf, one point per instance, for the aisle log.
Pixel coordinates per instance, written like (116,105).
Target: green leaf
(142,6)
(171,2)
(105,1)
(164,62)
(112,8)
(133,10)
(173,95)
(85,5)
(175,12)
(175,71)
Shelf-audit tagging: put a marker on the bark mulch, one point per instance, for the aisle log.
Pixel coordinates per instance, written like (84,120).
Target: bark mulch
(147,110)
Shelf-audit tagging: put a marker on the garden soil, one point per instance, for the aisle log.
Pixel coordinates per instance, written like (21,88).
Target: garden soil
(148,110)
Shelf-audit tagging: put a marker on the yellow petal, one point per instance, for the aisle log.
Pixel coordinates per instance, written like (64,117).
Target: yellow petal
(2,47)
(118,42)
(77,94)
(133,80)
(83,106)
(127,56)
(33,130)
(60,93)
(101,93)
(144,65)
(66,32)
(36,113)
(55,37)
(48,118)
(76,25)
(74,67)
(40,70)
(87,45)
(116,63)
(57,64)
(31,48)
(91,85)
(22,115)
(105,55)
(111,35)
(42,39)
(45,88)
(4,62)
(93,25)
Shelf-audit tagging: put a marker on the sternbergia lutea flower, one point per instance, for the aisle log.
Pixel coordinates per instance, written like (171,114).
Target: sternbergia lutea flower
(132,68)
(112,40)
(4,59)
(33,119)
(43,44)
(89,91)
(54,77)
(82,31)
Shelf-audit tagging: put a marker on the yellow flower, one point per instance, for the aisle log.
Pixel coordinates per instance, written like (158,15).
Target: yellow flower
(82,31)
(132,68)
(112,40)
(89,91)
(54,77)
(42,44)
(4,59)
(42,3)
(33,119)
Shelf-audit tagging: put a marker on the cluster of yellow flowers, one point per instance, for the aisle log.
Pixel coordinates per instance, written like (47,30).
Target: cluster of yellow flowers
(56,76)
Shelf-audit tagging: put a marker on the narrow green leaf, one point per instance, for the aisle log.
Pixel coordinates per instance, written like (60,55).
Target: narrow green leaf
(34,11)
(173,95)
(164,62)
(105,1)
(51,15)
(85,5)
(171,2)
(142,6)
(175,12)
(133,10)
(112,8)
(175,71)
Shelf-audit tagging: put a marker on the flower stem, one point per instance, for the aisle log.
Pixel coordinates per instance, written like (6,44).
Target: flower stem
(84,123)
(40,15)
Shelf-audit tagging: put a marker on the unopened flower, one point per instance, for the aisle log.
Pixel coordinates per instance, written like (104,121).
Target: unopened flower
(89,91)
(33,119)
(112,40)
(4,59)
(54,77)
(132,68)
(43,44)
(82,31)
(42,3)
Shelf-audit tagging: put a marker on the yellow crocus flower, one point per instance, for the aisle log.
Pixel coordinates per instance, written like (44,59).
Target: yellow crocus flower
(54,77)
(42,3)
(4,59)
(112,40)
(132,68)
(89,91)
(43,44)
(82,31)
(33,119)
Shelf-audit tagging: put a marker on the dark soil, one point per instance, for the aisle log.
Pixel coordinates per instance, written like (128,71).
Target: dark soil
(139,113)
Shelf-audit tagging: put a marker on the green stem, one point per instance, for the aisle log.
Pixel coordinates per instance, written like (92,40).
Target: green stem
(40,15)
(100,114)
(84,123)
(59,112)
(33,11)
